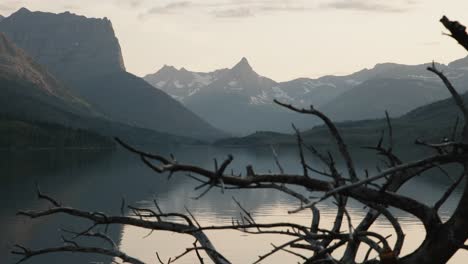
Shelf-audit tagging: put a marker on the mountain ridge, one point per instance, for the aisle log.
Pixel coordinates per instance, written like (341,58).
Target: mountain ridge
(336,95)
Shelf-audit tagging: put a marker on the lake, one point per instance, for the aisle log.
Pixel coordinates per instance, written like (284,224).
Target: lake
(97,180)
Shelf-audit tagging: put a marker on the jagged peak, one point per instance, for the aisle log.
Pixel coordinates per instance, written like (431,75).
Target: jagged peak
(243,63)
(23,10)
(244,60)
(168,68)
(243,66)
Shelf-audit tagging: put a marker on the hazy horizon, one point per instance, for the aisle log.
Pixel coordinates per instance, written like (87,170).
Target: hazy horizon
(283,40)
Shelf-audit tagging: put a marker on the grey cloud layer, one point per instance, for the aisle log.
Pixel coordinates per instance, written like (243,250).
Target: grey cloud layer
(368,5)
(243,8)
(175,6)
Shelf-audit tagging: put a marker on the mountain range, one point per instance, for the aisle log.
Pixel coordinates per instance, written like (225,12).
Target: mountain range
(69,69)
(84,58)
(241,101)
(237,100)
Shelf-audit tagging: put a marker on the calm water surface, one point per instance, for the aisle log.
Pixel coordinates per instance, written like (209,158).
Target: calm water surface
(97,181)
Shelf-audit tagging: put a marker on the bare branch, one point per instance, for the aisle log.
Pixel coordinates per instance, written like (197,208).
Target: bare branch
(40,195)
(275,156)
(28,253)
(456,97)
(93,234)
(300,143)
(448,192)
(334,131)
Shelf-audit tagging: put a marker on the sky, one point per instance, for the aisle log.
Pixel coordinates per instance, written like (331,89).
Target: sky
(282,39)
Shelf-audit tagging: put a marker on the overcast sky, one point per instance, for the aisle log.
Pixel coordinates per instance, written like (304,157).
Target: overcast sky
(283,39)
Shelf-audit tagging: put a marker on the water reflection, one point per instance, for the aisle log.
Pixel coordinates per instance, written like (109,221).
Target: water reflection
(98,181)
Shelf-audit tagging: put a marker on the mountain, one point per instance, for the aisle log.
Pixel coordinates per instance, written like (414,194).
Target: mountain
(86,55)
(396,88)
(72,47)
(242,79)
(1,17)
(182,83)
(34,102)
(240,100)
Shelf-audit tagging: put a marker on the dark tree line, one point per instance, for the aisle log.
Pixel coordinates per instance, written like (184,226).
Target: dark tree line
(378,192)
(21,132)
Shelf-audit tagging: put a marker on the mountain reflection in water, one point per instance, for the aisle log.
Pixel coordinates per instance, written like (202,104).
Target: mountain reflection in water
(97,181)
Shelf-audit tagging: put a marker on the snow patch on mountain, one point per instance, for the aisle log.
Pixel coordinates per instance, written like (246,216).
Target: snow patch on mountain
(178,85)
(280,94)
(160,84)
(194,91)
(351,82)
(202,80)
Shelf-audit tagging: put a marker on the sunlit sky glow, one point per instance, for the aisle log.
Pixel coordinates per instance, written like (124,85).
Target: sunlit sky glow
(283,39)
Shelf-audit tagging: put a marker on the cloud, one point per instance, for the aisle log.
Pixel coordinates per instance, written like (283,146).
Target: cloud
(130,3)
(248,8)
(232,8)
(171,7)
(69,7)
(370,6)
(233,12)
(429,43)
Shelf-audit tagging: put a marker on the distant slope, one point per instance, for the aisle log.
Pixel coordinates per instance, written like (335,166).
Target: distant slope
(85,53)
(373,97)
(130,100)
(432,122)
(29,106)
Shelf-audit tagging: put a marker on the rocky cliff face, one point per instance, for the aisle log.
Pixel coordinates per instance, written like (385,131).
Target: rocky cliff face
(16,65)
(68,44)
(29,90)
